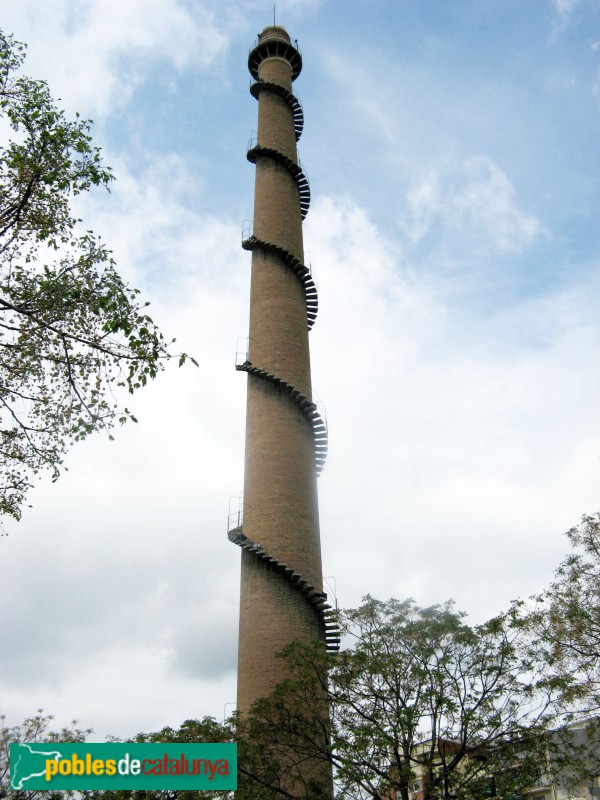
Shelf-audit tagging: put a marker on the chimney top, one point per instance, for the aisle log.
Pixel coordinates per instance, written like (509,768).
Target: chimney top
(275,42)
(274,32)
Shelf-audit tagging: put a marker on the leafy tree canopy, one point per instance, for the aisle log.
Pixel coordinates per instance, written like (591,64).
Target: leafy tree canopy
(568,612)
(37,728)
(418,704)
(71,331)
(206,729)
(422,701)
(565,621)
(563,626)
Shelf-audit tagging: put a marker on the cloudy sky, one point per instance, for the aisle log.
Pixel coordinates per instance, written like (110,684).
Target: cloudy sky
(452,149)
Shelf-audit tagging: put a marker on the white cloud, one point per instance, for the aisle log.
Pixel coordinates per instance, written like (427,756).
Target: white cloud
(462,444)
(127,554)
(451,446)
(566,7)
(440,464)
(95,53)
(565,10)
(474,202)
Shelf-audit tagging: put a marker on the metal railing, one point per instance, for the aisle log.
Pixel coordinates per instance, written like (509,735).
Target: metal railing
(235,516)
(248,234)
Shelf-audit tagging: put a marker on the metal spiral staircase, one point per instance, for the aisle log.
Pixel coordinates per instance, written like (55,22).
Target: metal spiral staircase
(326,614)
(306,406)
(317,600)
(292,101)
(256,149)
(252,242)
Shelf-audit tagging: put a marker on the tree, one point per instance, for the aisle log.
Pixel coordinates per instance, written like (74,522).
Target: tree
(563,624)
(258,770)
(34,729)
(39,729)
(71,331)
(421,704)
(566,618)
(205,730)
(420,697)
